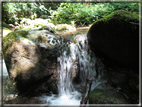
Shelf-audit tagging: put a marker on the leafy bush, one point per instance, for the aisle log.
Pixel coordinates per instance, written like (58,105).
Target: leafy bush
(5,25)
(81,13)
(85,14)
(11,12)
(132,7)
(7,14)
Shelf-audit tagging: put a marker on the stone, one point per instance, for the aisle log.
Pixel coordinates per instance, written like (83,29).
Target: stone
(106,96)
(116,38)
(24,101)
(27,62)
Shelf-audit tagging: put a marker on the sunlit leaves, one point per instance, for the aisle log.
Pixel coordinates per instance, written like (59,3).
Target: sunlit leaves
(66,12)
(88,14)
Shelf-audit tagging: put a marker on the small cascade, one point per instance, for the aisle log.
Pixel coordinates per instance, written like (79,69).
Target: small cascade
(75,60)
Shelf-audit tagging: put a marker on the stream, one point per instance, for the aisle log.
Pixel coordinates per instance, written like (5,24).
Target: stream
(75,60)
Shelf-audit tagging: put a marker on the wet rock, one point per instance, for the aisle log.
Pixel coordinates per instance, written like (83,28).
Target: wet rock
(64,27)
(28,65)
(37,24)
(109,96)
(118,79)
(7,99)
(104,86)
(125,80)
(8,87)
(24,101)
(116,38)
(44,16)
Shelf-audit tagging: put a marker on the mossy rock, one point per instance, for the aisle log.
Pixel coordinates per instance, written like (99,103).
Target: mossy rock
(8,87)
(124,79)
(12,37)
(116,38)
(45,27)
(100,96)
(38,24)
(44,16)
(61,27)
(26,28)
(25,59)
(21,100)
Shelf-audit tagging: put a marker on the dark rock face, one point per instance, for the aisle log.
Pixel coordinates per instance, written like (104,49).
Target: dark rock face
(24,101)
(116,37)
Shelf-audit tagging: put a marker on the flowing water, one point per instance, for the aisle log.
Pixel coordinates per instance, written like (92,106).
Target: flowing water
(74,62)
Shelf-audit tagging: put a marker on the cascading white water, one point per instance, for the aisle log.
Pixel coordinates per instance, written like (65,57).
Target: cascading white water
(73,56)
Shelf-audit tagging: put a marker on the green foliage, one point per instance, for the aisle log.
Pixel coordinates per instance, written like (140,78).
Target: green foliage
(85,14)
(13,11)
(81,13)
(7,14)
(132,7)
(5,25)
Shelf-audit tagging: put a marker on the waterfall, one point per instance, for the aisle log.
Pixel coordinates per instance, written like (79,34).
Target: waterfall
(74,62)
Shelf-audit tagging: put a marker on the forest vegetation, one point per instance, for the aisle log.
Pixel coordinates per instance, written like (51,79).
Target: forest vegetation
(80,14)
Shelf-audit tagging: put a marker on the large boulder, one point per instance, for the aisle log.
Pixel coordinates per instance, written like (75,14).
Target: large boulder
(31,60)
(116,38)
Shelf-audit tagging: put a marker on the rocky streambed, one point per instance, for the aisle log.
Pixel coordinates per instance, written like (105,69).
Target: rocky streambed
(31,58)
(31,51)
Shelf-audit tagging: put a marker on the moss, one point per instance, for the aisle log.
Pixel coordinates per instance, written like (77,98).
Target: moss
(119,15)
(8,87)
(43,27)
(44,16)
(112,36)
(12,37)
(41,39)
(26,28)
(31,37)
(99,96)
(61,27)
(37,24)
